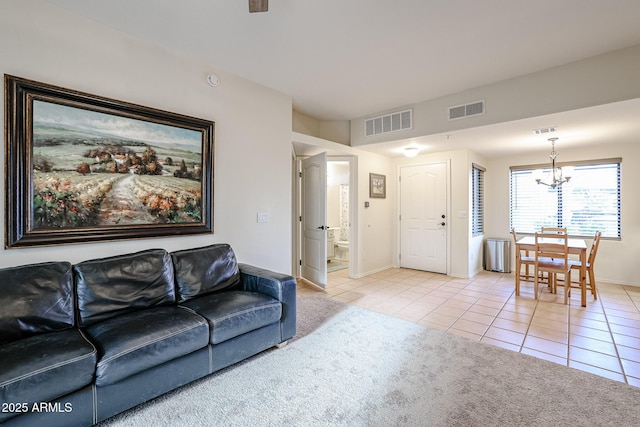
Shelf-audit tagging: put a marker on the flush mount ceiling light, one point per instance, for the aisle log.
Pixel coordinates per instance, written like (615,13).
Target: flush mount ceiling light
(557,176)
(411,151)
(213,80)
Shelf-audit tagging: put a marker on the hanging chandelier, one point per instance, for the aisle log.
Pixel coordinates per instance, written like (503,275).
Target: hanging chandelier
(557,176)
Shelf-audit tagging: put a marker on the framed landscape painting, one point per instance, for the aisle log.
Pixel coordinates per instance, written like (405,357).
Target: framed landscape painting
(377,186)
(82,168)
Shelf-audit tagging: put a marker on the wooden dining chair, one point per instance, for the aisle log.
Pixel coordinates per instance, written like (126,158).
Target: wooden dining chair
(557,230)
(576,264)
(552,257)
(523,258)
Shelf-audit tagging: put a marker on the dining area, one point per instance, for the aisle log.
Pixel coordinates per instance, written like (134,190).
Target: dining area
(551,258)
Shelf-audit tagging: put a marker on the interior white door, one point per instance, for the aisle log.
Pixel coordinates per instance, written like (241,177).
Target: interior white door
(423,217)
(314,219)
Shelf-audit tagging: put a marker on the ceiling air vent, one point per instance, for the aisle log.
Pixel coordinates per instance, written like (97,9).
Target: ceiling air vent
(544,130)
(466,110)
(388,123)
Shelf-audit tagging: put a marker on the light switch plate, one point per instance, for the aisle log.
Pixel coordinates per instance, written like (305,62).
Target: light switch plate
(263,217)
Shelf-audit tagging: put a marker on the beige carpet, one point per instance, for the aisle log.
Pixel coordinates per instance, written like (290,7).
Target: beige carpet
(349,366)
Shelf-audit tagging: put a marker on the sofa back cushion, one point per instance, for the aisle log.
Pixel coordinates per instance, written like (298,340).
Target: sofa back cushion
(204,270)
(34,299)
(107,287)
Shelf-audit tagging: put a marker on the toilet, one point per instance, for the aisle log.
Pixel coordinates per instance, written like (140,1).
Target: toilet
(342,250)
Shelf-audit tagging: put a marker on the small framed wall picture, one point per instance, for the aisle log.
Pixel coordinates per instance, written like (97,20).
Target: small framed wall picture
(377,186)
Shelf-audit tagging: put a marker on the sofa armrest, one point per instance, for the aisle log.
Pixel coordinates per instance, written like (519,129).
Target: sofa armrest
(277,285)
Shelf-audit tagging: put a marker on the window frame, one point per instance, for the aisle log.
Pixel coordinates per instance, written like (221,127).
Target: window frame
(565,198)
(477,200)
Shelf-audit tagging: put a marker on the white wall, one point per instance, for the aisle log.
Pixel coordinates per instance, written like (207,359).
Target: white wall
(252,135)
(305,124)
(338,131)
(377,222)
(616,259)
(374,243)
(599,80)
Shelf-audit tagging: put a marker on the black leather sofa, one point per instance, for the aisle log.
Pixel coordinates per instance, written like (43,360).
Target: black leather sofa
(81,343)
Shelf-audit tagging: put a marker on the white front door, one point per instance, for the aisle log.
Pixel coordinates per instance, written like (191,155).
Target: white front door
(423,217)
(314,219)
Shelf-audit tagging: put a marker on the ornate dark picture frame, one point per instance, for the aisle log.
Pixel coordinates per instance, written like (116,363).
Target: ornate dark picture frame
(84,168)
(377,186)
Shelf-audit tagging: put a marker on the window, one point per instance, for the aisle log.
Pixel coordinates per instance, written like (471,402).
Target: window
(477,203)
(590,201)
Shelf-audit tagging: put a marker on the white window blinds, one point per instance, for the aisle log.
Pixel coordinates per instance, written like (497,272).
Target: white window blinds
(590,201)
(477,204)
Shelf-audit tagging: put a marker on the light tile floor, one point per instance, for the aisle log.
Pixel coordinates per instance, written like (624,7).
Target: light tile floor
(602,338)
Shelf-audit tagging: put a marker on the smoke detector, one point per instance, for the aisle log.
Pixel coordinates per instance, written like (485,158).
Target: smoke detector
(213,80)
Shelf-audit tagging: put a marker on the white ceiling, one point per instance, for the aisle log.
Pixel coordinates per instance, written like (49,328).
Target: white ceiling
(345,59)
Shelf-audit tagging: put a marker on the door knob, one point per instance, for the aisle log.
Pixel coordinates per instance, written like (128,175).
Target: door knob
(442,223)
(322,227)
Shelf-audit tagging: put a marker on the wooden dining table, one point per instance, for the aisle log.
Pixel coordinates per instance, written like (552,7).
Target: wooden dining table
(576,246)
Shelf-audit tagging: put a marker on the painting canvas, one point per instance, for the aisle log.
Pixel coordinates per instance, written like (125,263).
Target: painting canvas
(377,186)
(86,168)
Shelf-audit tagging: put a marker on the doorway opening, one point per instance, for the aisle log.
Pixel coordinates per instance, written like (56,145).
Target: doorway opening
(338,215)
(335,250)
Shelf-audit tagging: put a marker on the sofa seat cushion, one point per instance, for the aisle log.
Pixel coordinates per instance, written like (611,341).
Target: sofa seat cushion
(46,366)
(234,313)
(133,342)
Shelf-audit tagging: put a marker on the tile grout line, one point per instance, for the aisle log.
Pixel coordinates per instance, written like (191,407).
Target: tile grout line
(569,326)
(465,311)
(613,338)
(445,301)
(526,333)
(494,317)
(498,314)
